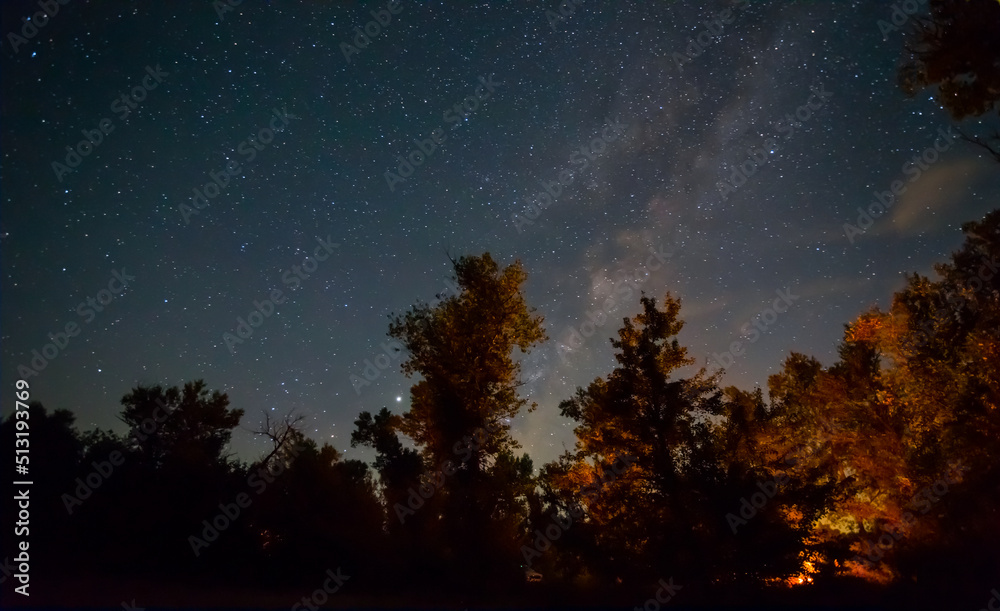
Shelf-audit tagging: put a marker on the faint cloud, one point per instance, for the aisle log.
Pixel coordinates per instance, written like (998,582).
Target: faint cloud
(930,205)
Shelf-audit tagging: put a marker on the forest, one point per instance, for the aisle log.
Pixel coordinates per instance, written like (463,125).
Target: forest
(876,474)
(870,481)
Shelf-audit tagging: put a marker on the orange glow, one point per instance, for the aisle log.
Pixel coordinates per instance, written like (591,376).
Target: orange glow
(806,571)
(798,580)
(864,329)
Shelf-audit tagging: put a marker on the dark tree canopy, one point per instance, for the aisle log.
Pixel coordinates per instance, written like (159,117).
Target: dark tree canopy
(189,425)
(670,475)
(956,51)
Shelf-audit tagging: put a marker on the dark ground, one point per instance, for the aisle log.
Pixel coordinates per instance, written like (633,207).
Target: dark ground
(101,592)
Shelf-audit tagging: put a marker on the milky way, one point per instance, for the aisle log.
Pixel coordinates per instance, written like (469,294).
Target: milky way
(278,179)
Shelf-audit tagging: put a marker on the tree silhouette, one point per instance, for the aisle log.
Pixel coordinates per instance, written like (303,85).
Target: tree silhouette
(957,51)
(875,467)
(319,511)
(186,426)
(398,467)
(55,455)
(414,536)
(660,509)
(177,472)
(459,409)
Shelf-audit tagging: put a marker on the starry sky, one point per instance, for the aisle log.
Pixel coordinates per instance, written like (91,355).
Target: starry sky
(645,109)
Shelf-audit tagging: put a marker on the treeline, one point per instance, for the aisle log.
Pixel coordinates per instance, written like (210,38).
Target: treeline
(878,469)
(871,481)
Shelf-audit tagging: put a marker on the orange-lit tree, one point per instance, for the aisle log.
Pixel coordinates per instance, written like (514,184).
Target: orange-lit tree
(665,513)
(462,351)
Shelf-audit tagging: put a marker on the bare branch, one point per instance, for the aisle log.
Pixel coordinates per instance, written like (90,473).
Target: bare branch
(279,434)
(992,149)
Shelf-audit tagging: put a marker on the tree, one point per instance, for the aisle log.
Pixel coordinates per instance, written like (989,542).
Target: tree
(913,394)
(175,475)
(413,535)
(398,467)
(188,426)
(942,338)
(467,393)
(52,462)
(645,468)
(319,512)
(941,341)
(956,50)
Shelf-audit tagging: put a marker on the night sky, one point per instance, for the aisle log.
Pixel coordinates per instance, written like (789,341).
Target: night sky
(660,121)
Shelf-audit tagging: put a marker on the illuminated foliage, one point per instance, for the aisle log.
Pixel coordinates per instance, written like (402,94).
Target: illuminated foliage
(462,351)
